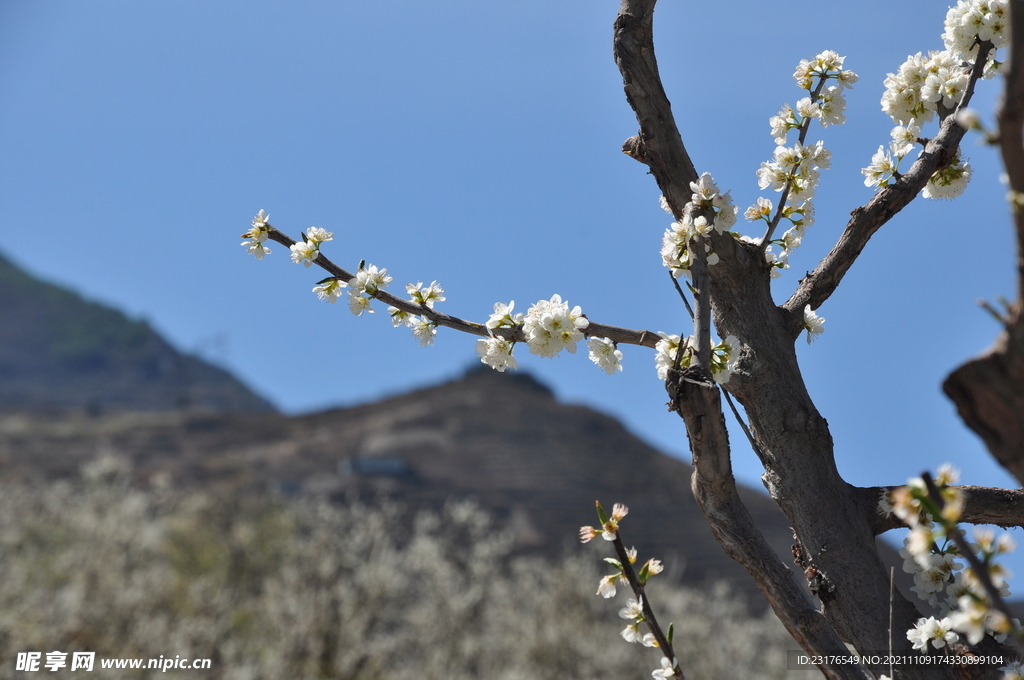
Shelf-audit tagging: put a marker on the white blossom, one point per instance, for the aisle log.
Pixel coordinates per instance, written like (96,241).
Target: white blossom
(256,247)
(970,618)
(813,324)
(426,296)
(606,587)
(357,304)
(881,169)
(832,109)
(724,357)
(604,353)
(949,182)
(667,670)
(633,611)
(666,350)
(370,279)
(261,222)
(503,316)
(399,318)
(550,326)
(782,123)
(762,210)
(424,330)
(318,235)
(330,290)
(904,139)
(938,632)
(304,252)
(496,352)
(631,633)
(258,235)
(807,108)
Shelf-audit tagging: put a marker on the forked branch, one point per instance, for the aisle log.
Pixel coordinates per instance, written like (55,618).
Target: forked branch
(938,153)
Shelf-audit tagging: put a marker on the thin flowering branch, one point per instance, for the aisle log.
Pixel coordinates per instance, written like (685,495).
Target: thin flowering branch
(980,570)
(637,587)
(784,197)
(639,609)
(938,153)
(615,333)
(970,601)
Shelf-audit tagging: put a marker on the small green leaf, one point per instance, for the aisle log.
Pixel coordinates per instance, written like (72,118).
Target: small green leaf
(602,516)
(671,632)
(645,573)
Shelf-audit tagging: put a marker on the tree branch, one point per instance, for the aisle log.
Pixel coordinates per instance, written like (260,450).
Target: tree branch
(714,488)
(658,145)
(938,153)
(983,505)
(989,390)
(621,335)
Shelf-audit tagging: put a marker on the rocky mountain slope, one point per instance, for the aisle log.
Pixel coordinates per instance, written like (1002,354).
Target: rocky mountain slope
(79,380)
(62,354)
(538,465)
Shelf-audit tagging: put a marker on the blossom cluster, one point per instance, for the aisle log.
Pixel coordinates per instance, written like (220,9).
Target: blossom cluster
(827,104)
(423,328)
(364,286)
(550,326)
(709,209)
(258,235)
(974,21)
(307,250)
(923,86)
(935,83)
(794,170)
(724,356)
(931,555)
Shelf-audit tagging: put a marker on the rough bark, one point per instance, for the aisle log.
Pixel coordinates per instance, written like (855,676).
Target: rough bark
(696,398)
(833,530)
(984,505)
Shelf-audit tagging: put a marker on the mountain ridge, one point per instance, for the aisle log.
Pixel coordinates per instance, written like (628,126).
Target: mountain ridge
(60,353)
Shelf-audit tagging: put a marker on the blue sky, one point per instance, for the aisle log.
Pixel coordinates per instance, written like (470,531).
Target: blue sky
(477,144)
